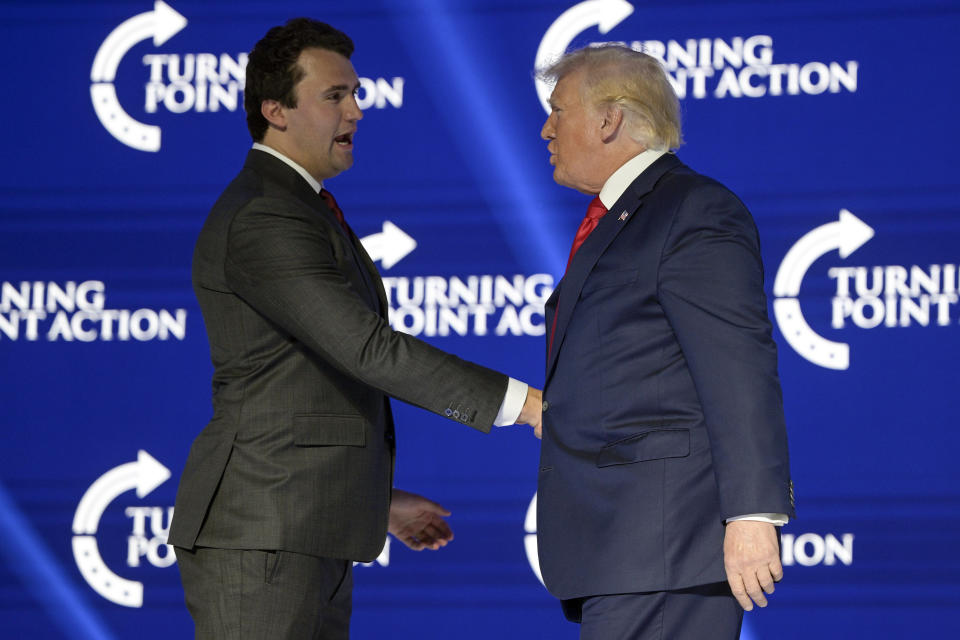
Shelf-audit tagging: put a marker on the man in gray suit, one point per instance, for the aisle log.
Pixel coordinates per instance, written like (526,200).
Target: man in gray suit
(291,481)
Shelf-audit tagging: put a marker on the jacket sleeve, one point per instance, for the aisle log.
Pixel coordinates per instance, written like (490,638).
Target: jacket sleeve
(284,263)
(711,288)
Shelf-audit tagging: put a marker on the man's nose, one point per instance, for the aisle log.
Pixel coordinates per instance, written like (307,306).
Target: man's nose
(355,113)
(547,131)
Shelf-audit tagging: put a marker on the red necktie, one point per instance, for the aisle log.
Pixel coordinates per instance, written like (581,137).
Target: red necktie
(595,211)
(337,211)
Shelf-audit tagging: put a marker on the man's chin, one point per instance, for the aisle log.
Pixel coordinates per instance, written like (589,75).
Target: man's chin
(344,161)
(563,180)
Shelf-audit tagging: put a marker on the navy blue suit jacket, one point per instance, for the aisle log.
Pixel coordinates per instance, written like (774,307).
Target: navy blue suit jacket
(663,411)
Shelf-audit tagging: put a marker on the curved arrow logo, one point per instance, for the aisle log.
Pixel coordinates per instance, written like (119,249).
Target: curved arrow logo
(390,246)
(161,24)
(144,475)
(603,14)
(846,235)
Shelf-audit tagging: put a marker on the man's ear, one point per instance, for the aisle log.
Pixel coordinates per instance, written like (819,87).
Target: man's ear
(611,121)
(274,113)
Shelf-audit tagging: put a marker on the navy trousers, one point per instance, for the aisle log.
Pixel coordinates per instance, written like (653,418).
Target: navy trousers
(708,612)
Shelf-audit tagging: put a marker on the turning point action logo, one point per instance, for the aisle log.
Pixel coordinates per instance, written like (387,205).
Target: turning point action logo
(148,531)
(894,296)
(161,24)
(846,235)
(178,83)
(702,67)
(477,305)
(144,475)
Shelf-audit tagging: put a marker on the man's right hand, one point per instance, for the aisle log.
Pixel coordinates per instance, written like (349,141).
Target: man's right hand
(532,411)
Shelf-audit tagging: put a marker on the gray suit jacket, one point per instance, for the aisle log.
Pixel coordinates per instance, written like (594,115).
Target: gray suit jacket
(299,453)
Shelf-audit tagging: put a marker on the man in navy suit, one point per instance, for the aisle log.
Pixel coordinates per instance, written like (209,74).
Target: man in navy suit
(664,467)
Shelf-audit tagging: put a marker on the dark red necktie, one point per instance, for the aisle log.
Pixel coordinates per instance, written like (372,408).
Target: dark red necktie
(337,211)
(595,211)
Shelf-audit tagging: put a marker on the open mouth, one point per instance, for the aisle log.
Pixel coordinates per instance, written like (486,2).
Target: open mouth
(345,139)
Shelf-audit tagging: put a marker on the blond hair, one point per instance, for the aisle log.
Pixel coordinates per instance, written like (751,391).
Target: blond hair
(635,81)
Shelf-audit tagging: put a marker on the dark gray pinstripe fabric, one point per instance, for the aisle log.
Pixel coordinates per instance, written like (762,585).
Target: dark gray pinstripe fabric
(261,595)
(299,453)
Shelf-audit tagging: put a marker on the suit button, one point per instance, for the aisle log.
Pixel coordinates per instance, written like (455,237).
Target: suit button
(546,405)
(448,412)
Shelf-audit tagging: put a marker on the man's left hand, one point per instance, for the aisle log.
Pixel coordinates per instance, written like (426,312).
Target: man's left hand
(418,522)
(751,556)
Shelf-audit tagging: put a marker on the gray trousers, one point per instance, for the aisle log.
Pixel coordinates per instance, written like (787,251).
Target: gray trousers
(266,595)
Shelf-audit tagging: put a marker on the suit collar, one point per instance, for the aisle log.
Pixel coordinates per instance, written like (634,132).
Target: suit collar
(314,184)
(619,215)
(645,182)
(278,171)
(621,179)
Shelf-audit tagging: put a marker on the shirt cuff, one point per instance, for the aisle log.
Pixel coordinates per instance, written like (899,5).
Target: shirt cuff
(512,404)
(778,519)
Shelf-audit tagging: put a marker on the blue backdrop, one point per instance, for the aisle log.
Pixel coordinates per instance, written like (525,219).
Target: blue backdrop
(834,122)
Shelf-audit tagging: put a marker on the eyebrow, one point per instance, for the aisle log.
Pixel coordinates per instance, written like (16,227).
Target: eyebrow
(341,87)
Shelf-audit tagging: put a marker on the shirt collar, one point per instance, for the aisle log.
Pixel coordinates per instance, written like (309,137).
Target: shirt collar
(617,183)
(316,186)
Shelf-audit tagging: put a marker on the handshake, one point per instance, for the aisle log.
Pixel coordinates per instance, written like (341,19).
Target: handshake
(532,412)
(418,522)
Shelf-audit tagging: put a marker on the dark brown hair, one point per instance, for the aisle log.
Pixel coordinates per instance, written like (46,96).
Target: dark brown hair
(272,69)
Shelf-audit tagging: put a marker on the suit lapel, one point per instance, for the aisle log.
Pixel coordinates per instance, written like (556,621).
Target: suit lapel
(620,214)
(287,177)
(373,285)
(374,281)
(367,270)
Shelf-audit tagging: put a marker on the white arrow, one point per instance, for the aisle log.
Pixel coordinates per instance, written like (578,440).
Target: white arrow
(144,475)
(846,235)
(604,14)
(161,24)
(389,246)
